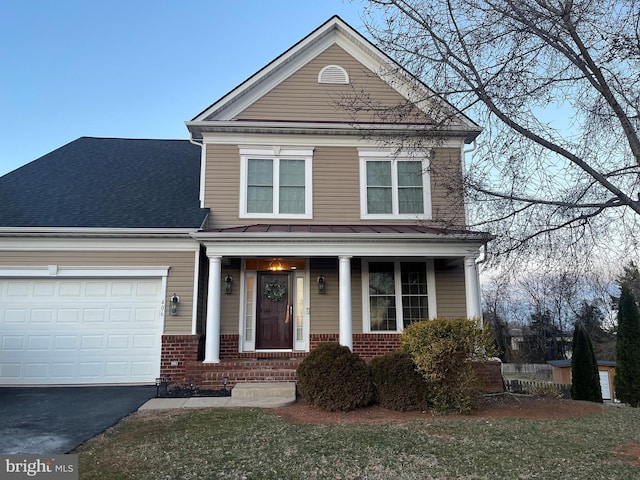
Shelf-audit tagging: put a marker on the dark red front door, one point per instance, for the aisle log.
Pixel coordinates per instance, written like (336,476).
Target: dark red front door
(274,320)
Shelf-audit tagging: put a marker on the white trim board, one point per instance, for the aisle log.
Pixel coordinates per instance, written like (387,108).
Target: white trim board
(55,271)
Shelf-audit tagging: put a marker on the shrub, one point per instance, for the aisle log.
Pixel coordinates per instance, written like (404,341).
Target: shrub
(335,379)
(627,379)
(443,350)
(585,379)
(545,390)
(398,384)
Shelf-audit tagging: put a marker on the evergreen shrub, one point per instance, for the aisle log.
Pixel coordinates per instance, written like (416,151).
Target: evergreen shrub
(627,379)
(333,378)
(443,351)
(585,378)
(398,384)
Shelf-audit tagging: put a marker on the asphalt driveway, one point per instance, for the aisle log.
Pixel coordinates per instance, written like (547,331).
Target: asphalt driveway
(43,420)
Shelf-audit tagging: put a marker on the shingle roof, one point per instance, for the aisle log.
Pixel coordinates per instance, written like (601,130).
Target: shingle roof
(107,183)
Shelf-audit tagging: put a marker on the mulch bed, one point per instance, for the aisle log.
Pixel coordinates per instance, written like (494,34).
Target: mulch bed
(502,406)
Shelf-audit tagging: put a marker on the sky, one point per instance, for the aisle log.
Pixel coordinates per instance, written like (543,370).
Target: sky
(134,68)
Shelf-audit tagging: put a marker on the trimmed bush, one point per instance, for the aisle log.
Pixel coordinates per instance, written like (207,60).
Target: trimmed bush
(399,385)
(443,351)
(585,378)
(335,379)
(627,379)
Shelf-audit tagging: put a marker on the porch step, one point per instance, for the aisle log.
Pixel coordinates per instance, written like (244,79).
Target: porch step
(252,390)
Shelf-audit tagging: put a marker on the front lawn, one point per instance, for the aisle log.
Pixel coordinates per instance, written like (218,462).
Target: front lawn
(257,444)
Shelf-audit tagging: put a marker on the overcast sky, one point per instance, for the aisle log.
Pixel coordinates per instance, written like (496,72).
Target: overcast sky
(134,68)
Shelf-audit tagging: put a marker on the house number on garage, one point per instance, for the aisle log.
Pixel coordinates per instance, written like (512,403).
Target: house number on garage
(162,308)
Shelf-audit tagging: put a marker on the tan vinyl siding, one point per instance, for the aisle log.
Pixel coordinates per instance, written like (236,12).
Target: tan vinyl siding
(325,309)
(301,98)
(222,185)
(450,289)
(447,198)
(179,280)
(230,304)
(336,187)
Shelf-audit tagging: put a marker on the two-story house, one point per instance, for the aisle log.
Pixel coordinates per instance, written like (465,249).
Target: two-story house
(303,209)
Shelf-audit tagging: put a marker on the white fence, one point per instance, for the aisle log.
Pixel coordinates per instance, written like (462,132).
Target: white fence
(526,368)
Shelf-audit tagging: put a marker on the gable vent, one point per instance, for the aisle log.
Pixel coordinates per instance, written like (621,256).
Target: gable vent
(333,74)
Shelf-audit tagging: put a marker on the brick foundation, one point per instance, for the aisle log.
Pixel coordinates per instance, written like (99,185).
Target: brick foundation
(181,363)
(369,345)
(490,374)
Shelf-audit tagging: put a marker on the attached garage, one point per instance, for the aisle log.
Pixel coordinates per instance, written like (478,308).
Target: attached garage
(81,326)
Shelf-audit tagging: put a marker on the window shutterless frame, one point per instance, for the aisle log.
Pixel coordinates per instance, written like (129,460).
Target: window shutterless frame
(264,197)
(396,291)
(385,181)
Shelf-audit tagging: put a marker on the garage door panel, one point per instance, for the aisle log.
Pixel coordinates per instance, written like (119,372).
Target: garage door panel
(15,315)
(95,289)
(68,315)
(65,342)
(13,343)
(80,331)
(41,316)
(17,290)
(36,343)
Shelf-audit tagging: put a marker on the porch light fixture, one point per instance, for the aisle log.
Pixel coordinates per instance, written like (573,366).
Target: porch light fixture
(175,300)
(321,285)
(228,284)
(275,265)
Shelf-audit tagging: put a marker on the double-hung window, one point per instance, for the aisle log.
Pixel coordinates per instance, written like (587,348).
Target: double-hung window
(397,293)
(394,186)
(276,182)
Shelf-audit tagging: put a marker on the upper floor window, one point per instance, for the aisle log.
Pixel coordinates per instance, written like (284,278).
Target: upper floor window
(394,186)
(275,182)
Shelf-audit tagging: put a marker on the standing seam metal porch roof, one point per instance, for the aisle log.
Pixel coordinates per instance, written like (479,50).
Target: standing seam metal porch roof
(400,230)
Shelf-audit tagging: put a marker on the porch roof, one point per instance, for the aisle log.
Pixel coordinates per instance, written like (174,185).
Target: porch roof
(406,230)
(341,239)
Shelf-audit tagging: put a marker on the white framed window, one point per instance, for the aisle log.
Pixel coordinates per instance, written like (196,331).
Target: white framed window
(397,293)
(394,185)
(276,182)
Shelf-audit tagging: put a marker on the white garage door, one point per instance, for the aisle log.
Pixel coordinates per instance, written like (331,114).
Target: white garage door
(78,331)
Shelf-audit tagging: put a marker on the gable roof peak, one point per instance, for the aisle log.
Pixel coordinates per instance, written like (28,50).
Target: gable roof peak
(335,31)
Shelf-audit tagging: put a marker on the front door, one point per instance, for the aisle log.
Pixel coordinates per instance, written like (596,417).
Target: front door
(275,311)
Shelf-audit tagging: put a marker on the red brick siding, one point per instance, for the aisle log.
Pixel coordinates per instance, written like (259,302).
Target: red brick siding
(490,374)
(181,350)
(272,366)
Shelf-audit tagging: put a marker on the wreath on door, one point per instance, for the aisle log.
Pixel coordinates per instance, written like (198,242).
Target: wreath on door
(275,291)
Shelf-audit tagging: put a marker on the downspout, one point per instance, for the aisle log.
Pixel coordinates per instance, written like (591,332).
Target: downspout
(203,162)
(464,152)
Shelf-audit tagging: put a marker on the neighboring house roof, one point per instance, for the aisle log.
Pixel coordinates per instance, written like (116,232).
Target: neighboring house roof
(107,183)
(567,363)
(222,115)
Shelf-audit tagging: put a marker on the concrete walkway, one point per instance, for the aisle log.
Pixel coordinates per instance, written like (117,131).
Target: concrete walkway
(257,395)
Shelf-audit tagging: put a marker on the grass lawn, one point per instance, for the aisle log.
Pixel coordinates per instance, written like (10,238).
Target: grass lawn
(256,444)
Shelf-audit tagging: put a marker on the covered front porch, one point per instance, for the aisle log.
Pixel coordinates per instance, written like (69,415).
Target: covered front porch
(276,291)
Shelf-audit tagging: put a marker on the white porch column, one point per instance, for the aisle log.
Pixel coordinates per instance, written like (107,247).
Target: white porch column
(346,335)
(472,288)
(212,332)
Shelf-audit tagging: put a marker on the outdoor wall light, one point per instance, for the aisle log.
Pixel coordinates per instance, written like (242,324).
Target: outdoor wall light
(228,284)
(175,300)
(321,285)
(161,382)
